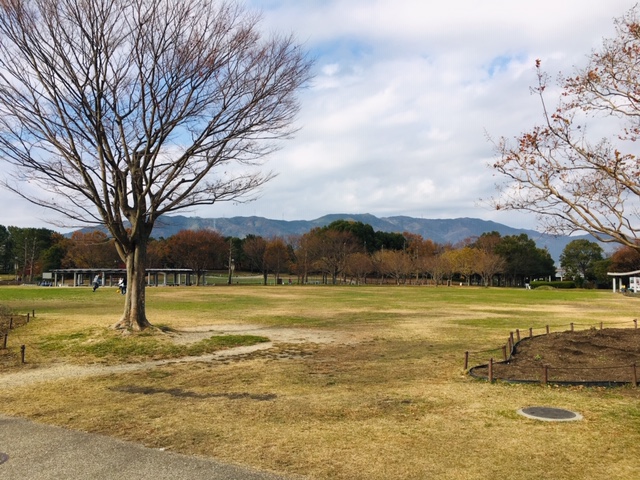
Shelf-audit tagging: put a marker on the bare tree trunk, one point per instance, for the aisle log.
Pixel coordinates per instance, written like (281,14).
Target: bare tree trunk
(134,316)
(32,260)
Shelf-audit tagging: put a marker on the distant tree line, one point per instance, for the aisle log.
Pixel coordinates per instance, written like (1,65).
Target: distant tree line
(341,252)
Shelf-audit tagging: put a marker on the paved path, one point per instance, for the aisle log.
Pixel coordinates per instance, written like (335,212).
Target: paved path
(31,451)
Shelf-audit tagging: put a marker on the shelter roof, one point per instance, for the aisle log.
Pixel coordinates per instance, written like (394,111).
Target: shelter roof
(624,274)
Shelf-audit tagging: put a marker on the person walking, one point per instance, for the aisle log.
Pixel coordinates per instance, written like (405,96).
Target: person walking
(122,286)
(96,282)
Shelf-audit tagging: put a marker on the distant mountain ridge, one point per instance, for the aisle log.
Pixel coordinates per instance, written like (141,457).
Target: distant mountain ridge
(451,231)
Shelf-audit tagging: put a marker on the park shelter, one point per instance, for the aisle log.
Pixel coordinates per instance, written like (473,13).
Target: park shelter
(111,276)
(625,280)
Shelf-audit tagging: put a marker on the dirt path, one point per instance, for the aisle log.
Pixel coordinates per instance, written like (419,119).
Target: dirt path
(276,335)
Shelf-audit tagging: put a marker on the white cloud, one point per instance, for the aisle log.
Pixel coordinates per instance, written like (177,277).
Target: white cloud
(404,94)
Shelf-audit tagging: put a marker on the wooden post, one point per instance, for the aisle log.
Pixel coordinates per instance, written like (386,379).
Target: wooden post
(27,318)
(635,375)
(530,332)
(510,345)
(512,342)
(22,349)
(466,360)
(600,325)
(635,322)
(33,313)
(572,326)
(545,374)
(491,370)
(547,329)
(504,352)
(4,343)
(518,334)
(10,323)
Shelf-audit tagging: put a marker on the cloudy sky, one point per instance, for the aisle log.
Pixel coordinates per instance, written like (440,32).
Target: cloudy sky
(405,92)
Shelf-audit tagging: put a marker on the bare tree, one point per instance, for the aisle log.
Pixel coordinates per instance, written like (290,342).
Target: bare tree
(436,267)
(254,248)
(327,250)
(121,111)
(359,265)
(488,264)
(276,257)
(395,264)
(560,170)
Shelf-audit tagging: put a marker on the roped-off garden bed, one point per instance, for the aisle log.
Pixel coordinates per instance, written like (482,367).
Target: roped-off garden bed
(585,357)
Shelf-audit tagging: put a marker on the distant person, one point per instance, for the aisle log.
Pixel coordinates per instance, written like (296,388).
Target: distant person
(96,282)
(122,286)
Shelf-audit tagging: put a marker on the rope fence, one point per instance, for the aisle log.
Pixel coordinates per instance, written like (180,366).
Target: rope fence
(8,323)
(505,353)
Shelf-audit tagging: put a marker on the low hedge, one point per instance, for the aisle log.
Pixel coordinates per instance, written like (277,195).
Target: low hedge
(555,284)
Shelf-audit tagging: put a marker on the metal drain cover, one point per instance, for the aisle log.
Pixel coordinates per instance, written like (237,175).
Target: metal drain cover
(550,414)
(3,458)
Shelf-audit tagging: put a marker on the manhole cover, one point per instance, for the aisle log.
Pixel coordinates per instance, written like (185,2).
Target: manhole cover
(3,457)
(550,414)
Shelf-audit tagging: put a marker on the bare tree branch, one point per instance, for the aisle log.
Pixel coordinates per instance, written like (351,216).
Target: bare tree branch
(558,173)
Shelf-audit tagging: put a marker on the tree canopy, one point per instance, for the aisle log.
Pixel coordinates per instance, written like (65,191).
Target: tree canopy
(580,257)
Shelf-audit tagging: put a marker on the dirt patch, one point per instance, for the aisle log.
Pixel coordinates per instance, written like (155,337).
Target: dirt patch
(285,343)
(580,356)
(275,334)
(179,392)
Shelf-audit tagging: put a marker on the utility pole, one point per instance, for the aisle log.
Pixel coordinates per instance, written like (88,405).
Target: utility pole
(231,265)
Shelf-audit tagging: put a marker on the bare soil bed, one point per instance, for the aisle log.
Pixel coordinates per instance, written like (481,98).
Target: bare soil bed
(589,356)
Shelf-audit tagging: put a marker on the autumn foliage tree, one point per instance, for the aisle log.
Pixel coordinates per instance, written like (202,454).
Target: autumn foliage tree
(91,249)
(358,265)
(199,250)
(122,111)
(625,259)
(487,262)
(276,257)
(576,178)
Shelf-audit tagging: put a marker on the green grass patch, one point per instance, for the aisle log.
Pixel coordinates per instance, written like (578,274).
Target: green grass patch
(105,344)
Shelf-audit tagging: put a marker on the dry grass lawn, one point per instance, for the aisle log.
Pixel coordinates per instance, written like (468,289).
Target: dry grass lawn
(378,393)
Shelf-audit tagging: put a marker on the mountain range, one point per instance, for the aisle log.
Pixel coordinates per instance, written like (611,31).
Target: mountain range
(450,231)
